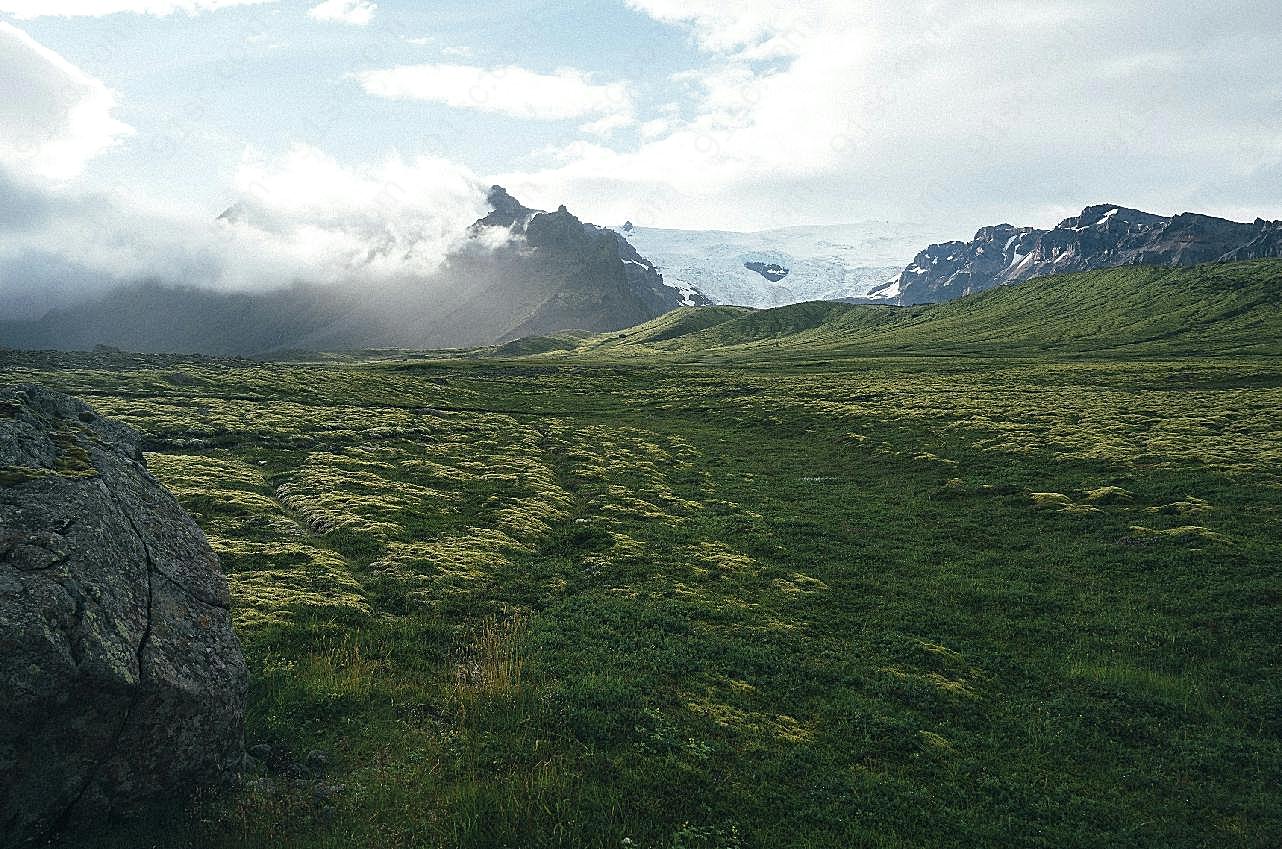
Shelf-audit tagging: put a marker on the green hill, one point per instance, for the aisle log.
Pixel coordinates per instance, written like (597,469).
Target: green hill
(678,324)
(1231,308)
(530,345)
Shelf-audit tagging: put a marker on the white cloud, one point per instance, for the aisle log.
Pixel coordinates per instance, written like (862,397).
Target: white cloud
(299,217)
(54,117)
(393,219)
(823,110)
(26,9)
(607,126)
(654,129)
(511,90)
(356,12)
(724,27)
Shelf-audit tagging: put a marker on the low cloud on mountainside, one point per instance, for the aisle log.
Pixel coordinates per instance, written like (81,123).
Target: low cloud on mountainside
(300,217)
(303,218)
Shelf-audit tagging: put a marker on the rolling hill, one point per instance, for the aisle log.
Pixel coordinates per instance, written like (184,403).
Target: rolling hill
(1229,308)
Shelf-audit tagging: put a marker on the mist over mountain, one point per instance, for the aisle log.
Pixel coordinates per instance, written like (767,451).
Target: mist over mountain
(1102,236)
(516,272)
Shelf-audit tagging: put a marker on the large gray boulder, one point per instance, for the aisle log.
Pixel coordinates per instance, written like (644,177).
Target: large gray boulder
(120,677)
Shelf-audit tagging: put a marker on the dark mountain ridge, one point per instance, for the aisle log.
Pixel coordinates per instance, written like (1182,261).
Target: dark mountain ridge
(1102,236)
(552,273)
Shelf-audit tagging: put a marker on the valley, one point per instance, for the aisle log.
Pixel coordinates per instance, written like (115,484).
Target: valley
(640,425)
(994,572)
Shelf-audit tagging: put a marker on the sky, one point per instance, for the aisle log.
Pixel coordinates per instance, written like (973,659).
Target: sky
(349,123)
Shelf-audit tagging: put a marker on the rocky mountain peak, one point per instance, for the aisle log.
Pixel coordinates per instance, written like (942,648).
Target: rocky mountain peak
(590,255)
(1102,236)
(505,211)
(1109,215)
(501,201)
(518,271)
(771,271)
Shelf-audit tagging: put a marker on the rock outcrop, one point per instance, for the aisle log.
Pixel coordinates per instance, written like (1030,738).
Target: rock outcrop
(774,272)
(120,677)
(1103,236)
(604,284)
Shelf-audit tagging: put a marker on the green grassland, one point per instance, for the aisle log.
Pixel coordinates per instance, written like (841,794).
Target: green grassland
(1217,309)
(1002,572)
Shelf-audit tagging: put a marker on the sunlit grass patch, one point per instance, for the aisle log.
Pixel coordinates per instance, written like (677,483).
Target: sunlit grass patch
(275,582)
(757,727)
(1108,495)
(934,681)
(953,488)
(935,650)
(205,474)
(332,492)
(492,664)
(720,559)
(936,741)
(531,518)
(1050,500)
(1187,506)
(623,473)
(622,550)
(230,497)
(799,584)
(447,567)
(1134,680)
(1060,503)
(1185,535)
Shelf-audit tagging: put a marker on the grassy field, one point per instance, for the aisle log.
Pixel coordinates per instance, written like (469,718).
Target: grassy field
(743,580)
(1209,310)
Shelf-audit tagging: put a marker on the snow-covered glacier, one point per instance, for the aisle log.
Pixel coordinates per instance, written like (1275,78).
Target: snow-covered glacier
(824,262)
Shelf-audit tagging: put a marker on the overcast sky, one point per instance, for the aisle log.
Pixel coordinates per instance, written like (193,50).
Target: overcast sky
(683,113)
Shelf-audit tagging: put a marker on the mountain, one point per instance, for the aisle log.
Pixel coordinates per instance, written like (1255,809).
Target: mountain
(549,272)
(1220,308)
(775,267)
(1103,236)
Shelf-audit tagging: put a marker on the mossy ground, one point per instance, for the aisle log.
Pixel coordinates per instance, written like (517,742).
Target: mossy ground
(871,601)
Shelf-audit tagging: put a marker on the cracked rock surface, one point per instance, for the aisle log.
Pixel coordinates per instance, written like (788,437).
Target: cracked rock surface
(120,677)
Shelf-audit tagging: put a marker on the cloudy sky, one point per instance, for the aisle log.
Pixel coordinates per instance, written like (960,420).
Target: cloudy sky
(346,120)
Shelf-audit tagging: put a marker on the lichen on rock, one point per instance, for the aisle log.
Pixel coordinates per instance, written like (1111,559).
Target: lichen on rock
(120,677)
